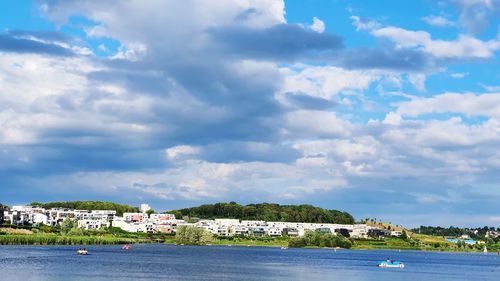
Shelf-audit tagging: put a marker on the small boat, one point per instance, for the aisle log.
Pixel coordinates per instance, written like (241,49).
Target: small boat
(126,247)
(82,252)
(284,248)
(391,264)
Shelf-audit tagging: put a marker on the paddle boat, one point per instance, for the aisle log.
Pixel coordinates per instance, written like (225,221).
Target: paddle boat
(391,264)
(126,247)
(82,252)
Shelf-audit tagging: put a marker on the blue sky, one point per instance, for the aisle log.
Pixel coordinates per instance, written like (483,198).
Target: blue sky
(385,109)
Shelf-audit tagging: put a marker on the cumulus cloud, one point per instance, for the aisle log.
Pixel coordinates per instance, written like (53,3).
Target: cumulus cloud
(238,104)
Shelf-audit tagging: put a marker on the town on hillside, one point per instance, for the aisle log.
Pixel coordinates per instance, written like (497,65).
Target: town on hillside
(147,221)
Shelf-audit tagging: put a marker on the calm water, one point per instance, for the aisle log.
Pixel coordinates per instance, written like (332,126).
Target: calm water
(163,262)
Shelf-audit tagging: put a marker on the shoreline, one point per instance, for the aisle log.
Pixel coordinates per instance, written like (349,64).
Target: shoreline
(264,246)
(59,240)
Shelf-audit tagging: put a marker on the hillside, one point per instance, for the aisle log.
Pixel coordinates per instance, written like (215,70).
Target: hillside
(266,212)
(88,205)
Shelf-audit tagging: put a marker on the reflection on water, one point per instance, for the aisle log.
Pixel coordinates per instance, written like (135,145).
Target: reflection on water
(163,262)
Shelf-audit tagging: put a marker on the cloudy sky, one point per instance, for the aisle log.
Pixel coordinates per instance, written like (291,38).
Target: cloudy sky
(386,109)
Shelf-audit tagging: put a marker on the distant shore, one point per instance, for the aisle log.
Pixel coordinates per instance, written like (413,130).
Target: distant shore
(57,239)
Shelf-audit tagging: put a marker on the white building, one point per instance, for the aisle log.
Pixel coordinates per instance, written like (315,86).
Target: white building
(396,233)
(134,217)
(162,218)
(274,231)
(239,230)
(145,208)
(135,226)
(92,224)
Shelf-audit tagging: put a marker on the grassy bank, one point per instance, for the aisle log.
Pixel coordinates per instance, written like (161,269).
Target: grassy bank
(271,242)
(11,235)
(55,239)
(385,244)
(52,236)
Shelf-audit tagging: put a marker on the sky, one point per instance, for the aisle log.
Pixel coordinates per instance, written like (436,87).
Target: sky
(385,109)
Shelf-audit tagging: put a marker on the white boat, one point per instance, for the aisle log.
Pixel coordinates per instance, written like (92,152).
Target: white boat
(391,264)
(284,248)
(82,252)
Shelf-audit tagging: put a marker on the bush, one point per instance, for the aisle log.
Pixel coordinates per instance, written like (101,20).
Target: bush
(319,239)
(47,229)
(190,235)
(297,242)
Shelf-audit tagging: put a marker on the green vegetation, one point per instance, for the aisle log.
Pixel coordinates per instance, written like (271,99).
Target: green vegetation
(252,241)
(89,205)
(387,243)
(190,235)
(55,239)
(474,233)
(320,239)
(266,212)
(69,234)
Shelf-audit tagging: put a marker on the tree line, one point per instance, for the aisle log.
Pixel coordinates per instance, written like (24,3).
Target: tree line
(474,233)
(266,212)
(89,205)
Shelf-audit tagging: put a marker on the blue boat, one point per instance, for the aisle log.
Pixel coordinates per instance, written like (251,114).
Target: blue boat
(391,264)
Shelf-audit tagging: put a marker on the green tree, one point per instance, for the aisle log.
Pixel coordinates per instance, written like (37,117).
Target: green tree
(67,225)
(404,235)
(149,212)
(267,212)
(297,242)
(320,239)
(88,205)
(190,235)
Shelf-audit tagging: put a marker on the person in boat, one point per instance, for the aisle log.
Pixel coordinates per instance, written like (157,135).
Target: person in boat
(389,260)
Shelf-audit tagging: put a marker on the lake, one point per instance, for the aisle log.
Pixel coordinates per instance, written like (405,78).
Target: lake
(168,262)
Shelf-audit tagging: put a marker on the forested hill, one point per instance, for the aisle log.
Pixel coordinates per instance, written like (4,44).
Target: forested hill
(267,212)
(88,205)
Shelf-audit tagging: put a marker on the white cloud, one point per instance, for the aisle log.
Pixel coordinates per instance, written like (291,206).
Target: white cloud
(491,89)
(475,15)
(417,80)
(458,75)
(392,118)
(317,25)
(325,81)
(439,21)
(464,46)
(364,24)
(195,179)
(468,103)
(181,150)
(313,122)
